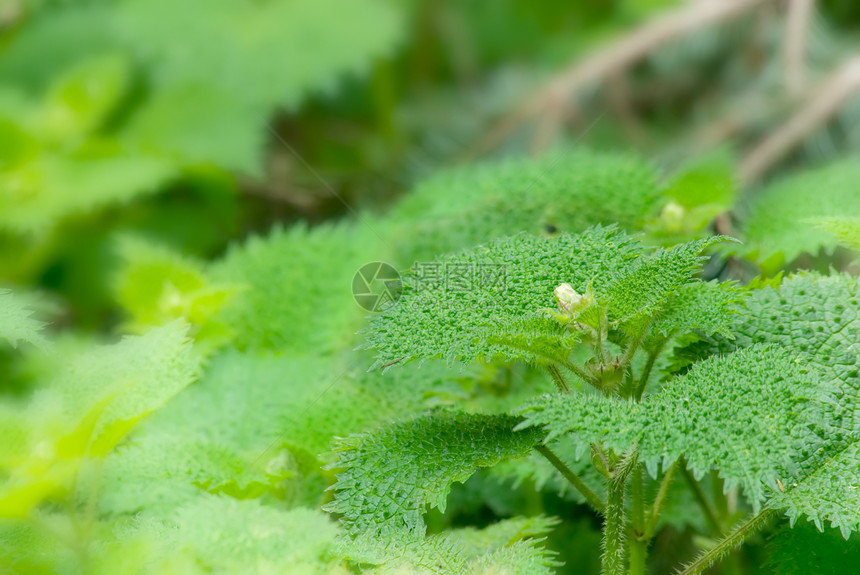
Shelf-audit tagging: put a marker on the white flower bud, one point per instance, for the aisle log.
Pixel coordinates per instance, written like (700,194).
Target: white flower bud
(567,298)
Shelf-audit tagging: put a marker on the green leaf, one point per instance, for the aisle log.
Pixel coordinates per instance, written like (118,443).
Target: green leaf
(814,316)
(215,84)
(141,372)
(294,286)
(506,281)
(509,546)
(746,414)
(535,336)
(17,323)
(846,230)
(697,193)
(705,182)
(228,535)
(477,542)
(207,535)
(228,44)
(80,100)
(156,285)
(390,476)
(484,303)
(261,424)
(564,192)
(651,281)
(704,307)
(56,185)
(196,124)
(777,224)
(519,558)
(89,407)
(826,489)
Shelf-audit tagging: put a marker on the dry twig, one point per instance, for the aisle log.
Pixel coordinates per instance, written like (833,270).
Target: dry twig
(615,59)
(796,32)
(819,109)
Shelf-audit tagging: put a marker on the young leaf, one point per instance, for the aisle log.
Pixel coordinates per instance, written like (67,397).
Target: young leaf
(511,280)
(535,336)
(651,281)
(390,476)
(705,307)
(512,277)
(748,414)
(156,285)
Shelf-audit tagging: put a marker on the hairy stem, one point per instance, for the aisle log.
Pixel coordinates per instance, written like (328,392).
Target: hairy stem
(660,499)
(638,543)
(582,374)
(558,378)
(649,367)
(613,529)
(725,545)
(633,346)
(699,495)
(615,526)
(590,496)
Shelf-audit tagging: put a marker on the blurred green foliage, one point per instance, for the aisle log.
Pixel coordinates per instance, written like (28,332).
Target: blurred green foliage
(187,189)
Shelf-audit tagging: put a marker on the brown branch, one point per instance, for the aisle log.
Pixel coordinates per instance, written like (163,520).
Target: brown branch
(823,104)
(615,59)
(796,31)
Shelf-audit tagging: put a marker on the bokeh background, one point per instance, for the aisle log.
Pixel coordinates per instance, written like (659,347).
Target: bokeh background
(229,164)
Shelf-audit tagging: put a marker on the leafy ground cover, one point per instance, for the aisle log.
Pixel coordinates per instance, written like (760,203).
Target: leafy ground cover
(591,359)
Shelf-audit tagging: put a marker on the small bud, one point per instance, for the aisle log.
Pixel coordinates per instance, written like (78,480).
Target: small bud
(567,298)
(673,215)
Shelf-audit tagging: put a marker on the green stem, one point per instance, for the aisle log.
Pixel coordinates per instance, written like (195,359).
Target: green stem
(725,545)
(649,367)
(721,502)
(710,516)
(600,461)
(602,333)
(635,342)
(590,496)
(660,499)
(613,530)
(559,380)
(567,364)
(582,374)
(639,543)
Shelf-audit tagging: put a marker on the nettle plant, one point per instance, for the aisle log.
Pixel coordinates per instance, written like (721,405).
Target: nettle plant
(661,377)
